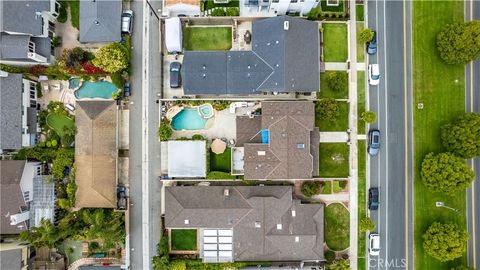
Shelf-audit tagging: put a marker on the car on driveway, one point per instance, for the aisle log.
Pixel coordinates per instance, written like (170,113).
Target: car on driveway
(175,77)
(127,22)
(373,74)
(373,198)
(121,198)
(373,142)
(372,44)
(374,244)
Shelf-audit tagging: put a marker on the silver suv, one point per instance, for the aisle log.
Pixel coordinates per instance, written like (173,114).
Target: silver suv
(127,22)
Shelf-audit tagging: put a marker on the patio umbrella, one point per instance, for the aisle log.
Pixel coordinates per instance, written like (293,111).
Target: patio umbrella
(218,146)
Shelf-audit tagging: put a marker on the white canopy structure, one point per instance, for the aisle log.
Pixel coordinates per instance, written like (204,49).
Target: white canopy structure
(173,34)
(187,159)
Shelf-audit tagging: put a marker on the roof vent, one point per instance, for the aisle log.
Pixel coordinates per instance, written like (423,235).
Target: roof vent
(187,221)
(204,67)
(279,226)
(294,213)
(276,41)
(261,153)
(286,25)
(268,44)
(300,146)
(248,66)
(204,75)
(96,22)
(226,192)
(297,239)
(258,224)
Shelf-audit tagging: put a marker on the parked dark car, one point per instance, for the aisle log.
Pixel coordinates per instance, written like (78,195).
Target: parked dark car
(121,198)
(127,22)
(374,142)
(372,45)
(175,77)
(373,200)
(126,89)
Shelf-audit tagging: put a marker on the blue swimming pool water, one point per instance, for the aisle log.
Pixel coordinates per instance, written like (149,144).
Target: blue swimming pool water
(189,119)
(265,136)
(101,89)
(73,83)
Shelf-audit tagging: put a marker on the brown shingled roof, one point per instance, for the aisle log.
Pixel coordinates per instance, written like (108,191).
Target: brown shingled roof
(289,153)
(96,154)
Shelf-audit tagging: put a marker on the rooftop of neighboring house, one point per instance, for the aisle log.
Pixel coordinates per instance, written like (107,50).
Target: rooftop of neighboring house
(100,21)
(96,153)
(16,47)
(267,224)
(23,17)
(289,149)
(275,63)
(11,198)
(11,111)
(11,259)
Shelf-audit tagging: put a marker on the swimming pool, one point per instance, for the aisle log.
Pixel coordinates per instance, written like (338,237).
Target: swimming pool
(101,89)
(189,119)
(74,83)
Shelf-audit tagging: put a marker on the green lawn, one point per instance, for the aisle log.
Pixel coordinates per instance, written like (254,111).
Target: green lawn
(334,159)
(340,124)
(336,186)
(441,88)
(360,12)
(361,98)
(210,4)
(75,13)
(184,239)
(360,46)
(326,91)
(327,187)
(362,200)
(207,38)
(337,227)
(58,121)
(335,43)
(222,162)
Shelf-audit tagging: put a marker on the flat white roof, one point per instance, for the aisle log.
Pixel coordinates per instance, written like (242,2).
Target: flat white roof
(187,159)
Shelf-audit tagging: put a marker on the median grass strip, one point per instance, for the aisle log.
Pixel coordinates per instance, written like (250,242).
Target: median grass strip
(362,200)
(337,227)
(184,239)
(339,124)
(360,12)
(360,101)
(207,38)
(361,47)
(334,160)
(335,42)
(440,88)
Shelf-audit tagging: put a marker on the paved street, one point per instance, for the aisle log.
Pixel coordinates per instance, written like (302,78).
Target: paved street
(472,103)
(144,118)
(392,101)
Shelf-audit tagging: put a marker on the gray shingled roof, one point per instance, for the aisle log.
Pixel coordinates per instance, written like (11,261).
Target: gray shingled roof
(11,112)
(22,16)
(290,124)
(275,63)
(100,20)
(11,172)
(11,259)
(209,208)
(13,46)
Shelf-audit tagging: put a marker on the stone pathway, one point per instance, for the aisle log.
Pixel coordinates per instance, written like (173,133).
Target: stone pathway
(333,137)
(336,66)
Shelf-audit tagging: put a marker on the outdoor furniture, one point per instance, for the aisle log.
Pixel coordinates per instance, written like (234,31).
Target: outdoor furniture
(218,146)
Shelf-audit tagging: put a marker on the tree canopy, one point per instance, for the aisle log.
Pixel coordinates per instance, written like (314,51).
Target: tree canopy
(327,109)
(337,81)
(365,35)
(459,43)
(310,188)
(111,58)
(165,131)
(341,264)
(445,241)
(446,172)
(366,224)
(462,137)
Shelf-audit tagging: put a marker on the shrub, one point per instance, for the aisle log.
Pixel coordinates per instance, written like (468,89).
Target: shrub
(366,35)
(62,12)
(116,95)
(165,131)
(198,137)
(343,184)
(337,81)
(445,241)
(366,224)
(341,264)
(310,188)
(117,79)
(232,11)
(327,109)
(220,175)
(459,43)
(218,12)
(178,265)
(330,256)
(369,117)
(111,58)
(446,173)
(462,137)
(12,69)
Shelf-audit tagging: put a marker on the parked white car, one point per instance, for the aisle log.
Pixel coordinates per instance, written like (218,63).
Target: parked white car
(374,246)
(373,74)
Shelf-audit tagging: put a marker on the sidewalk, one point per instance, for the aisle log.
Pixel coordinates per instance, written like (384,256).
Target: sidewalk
(333,137)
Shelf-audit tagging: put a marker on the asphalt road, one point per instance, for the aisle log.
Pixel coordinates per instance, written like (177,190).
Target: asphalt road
(391,100)
(472,103)
(138,120)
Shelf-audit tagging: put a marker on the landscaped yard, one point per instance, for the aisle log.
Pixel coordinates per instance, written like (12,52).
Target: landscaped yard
(441,89)
(360,11)
(222,162)
(335,43)
(327,188)
(326,91)
(184,239)
(360,101)
(210,4)
(361,47)
(362,200)
(207,38)
(72,249)
(334,159)
(339,124)
(75,13)
(338,8)
(337,227)
(57,122)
